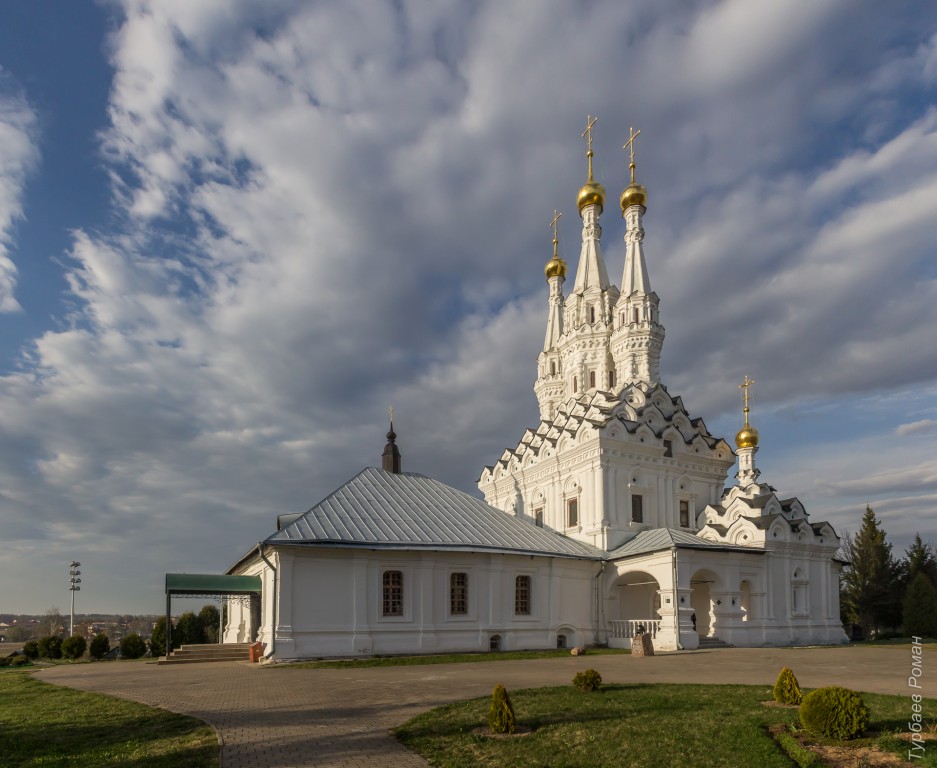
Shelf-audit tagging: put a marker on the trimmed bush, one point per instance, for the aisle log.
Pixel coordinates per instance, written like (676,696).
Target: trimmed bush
(100,646)
(31,649)
(786,689)
(74,647)
(501,712)
(588,681)
(834,712)
(19,661)
(50,647)
(132,646)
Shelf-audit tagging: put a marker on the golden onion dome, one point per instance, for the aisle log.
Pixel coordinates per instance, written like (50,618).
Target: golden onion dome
(747,437)
(634,194)
(591,193)
(555,267)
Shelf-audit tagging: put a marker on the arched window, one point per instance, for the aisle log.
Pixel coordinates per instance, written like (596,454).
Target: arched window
(592,379)
(552,368)
(522,596)
(393,593)
(611,379)
(591,313)
(637,315)
(684,513)
(494,643)
(561,641)
(575,384)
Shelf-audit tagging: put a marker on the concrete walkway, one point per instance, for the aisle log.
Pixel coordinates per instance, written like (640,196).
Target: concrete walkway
(274,718)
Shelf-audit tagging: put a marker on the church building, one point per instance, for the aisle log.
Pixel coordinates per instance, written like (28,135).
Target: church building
(608,517)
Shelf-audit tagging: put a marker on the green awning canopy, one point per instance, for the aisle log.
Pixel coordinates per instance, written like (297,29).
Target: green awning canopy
(210,584)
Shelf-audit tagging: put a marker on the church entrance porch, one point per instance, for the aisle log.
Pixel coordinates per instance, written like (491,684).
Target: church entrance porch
(633,606)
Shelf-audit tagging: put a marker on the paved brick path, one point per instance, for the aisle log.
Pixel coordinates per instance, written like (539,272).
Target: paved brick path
(279,718)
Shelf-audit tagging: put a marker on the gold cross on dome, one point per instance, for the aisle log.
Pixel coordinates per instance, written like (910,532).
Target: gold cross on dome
(629,145)
(746,386)
(556,218)
(587,134)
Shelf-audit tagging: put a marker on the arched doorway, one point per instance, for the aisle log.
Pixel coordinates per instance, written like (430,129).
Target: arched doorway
(703,583)
(633,604)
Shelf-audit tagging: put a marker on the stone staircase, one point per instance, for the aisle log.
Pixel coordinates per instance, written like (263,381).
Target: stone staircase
(196,654)
(708,643)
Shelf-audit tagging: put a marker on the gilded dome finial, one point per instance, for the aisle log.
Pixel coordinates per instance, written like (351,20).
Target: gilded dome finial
(634,194)
(747,436)
(591,193)
(555,266)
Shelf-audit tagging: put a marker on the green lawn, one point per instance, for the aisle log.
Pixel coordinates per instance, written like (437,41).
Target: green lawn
(442,658)
(45,725)
(645,726)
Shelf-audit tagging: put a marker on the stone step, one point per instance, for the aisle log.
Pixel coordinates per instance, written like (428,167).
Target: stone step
(191,654)
(713,642)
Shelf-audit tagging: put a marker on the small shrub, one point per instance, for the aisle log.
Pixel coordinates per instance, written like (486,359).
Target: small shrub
(501,712)
(100,646)
(834,712)
(587,681)
(132,646)
(786,689)
(74,647)
(19,661)
(31,649)
(50,647)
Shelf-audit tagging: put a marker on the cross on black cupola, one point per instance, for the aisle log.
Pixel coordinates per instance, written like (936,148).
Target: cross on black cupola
(390,460)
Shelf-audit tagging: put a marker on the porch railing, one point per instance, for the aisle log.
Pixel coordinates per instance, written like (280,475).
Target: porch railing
(627,628)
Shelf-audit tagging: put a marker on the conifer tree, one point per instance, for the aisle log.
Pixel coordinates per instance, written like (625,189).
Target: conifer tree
(920,607)
(870,585)
(920,558)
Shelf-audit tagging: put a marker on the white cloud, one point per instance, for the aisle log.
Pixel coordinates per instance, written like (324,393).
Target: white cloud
(921,427)
(19,154)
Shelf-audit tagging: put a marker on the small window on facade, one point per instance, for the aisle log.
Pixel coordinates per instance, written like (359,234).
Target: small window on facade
(393,593)
(561,641)
(591,314)
(458,594)
(494,643)
(637,509)
(572,513)
(611,379)
(622,320)
(538,517)
(575,384)
(637,315)
(522,595)
(552,368)
(668,448)
(684,513)
(592,379)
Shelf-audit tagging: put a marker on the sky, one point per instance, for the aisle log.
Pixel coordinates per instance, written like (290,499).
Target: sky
(233,233)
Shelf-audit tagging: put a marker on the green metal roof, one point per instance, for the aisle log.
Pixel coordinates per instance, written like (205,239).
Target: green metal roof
(210,583)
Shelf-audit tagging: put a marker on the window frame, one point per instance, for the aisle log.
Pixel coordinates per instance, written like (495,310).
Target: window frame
(572,504)
(388,600)
(637,506)
(523,594)
(459,593)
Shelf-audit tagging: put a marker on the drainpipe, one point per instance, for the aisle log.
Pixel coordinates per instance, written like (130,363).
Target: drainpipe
(676,604)
(598,602)
(273,618)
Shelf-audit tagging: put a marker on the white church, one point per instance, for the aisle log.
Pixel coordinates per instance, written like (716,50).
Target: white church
(609,517)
